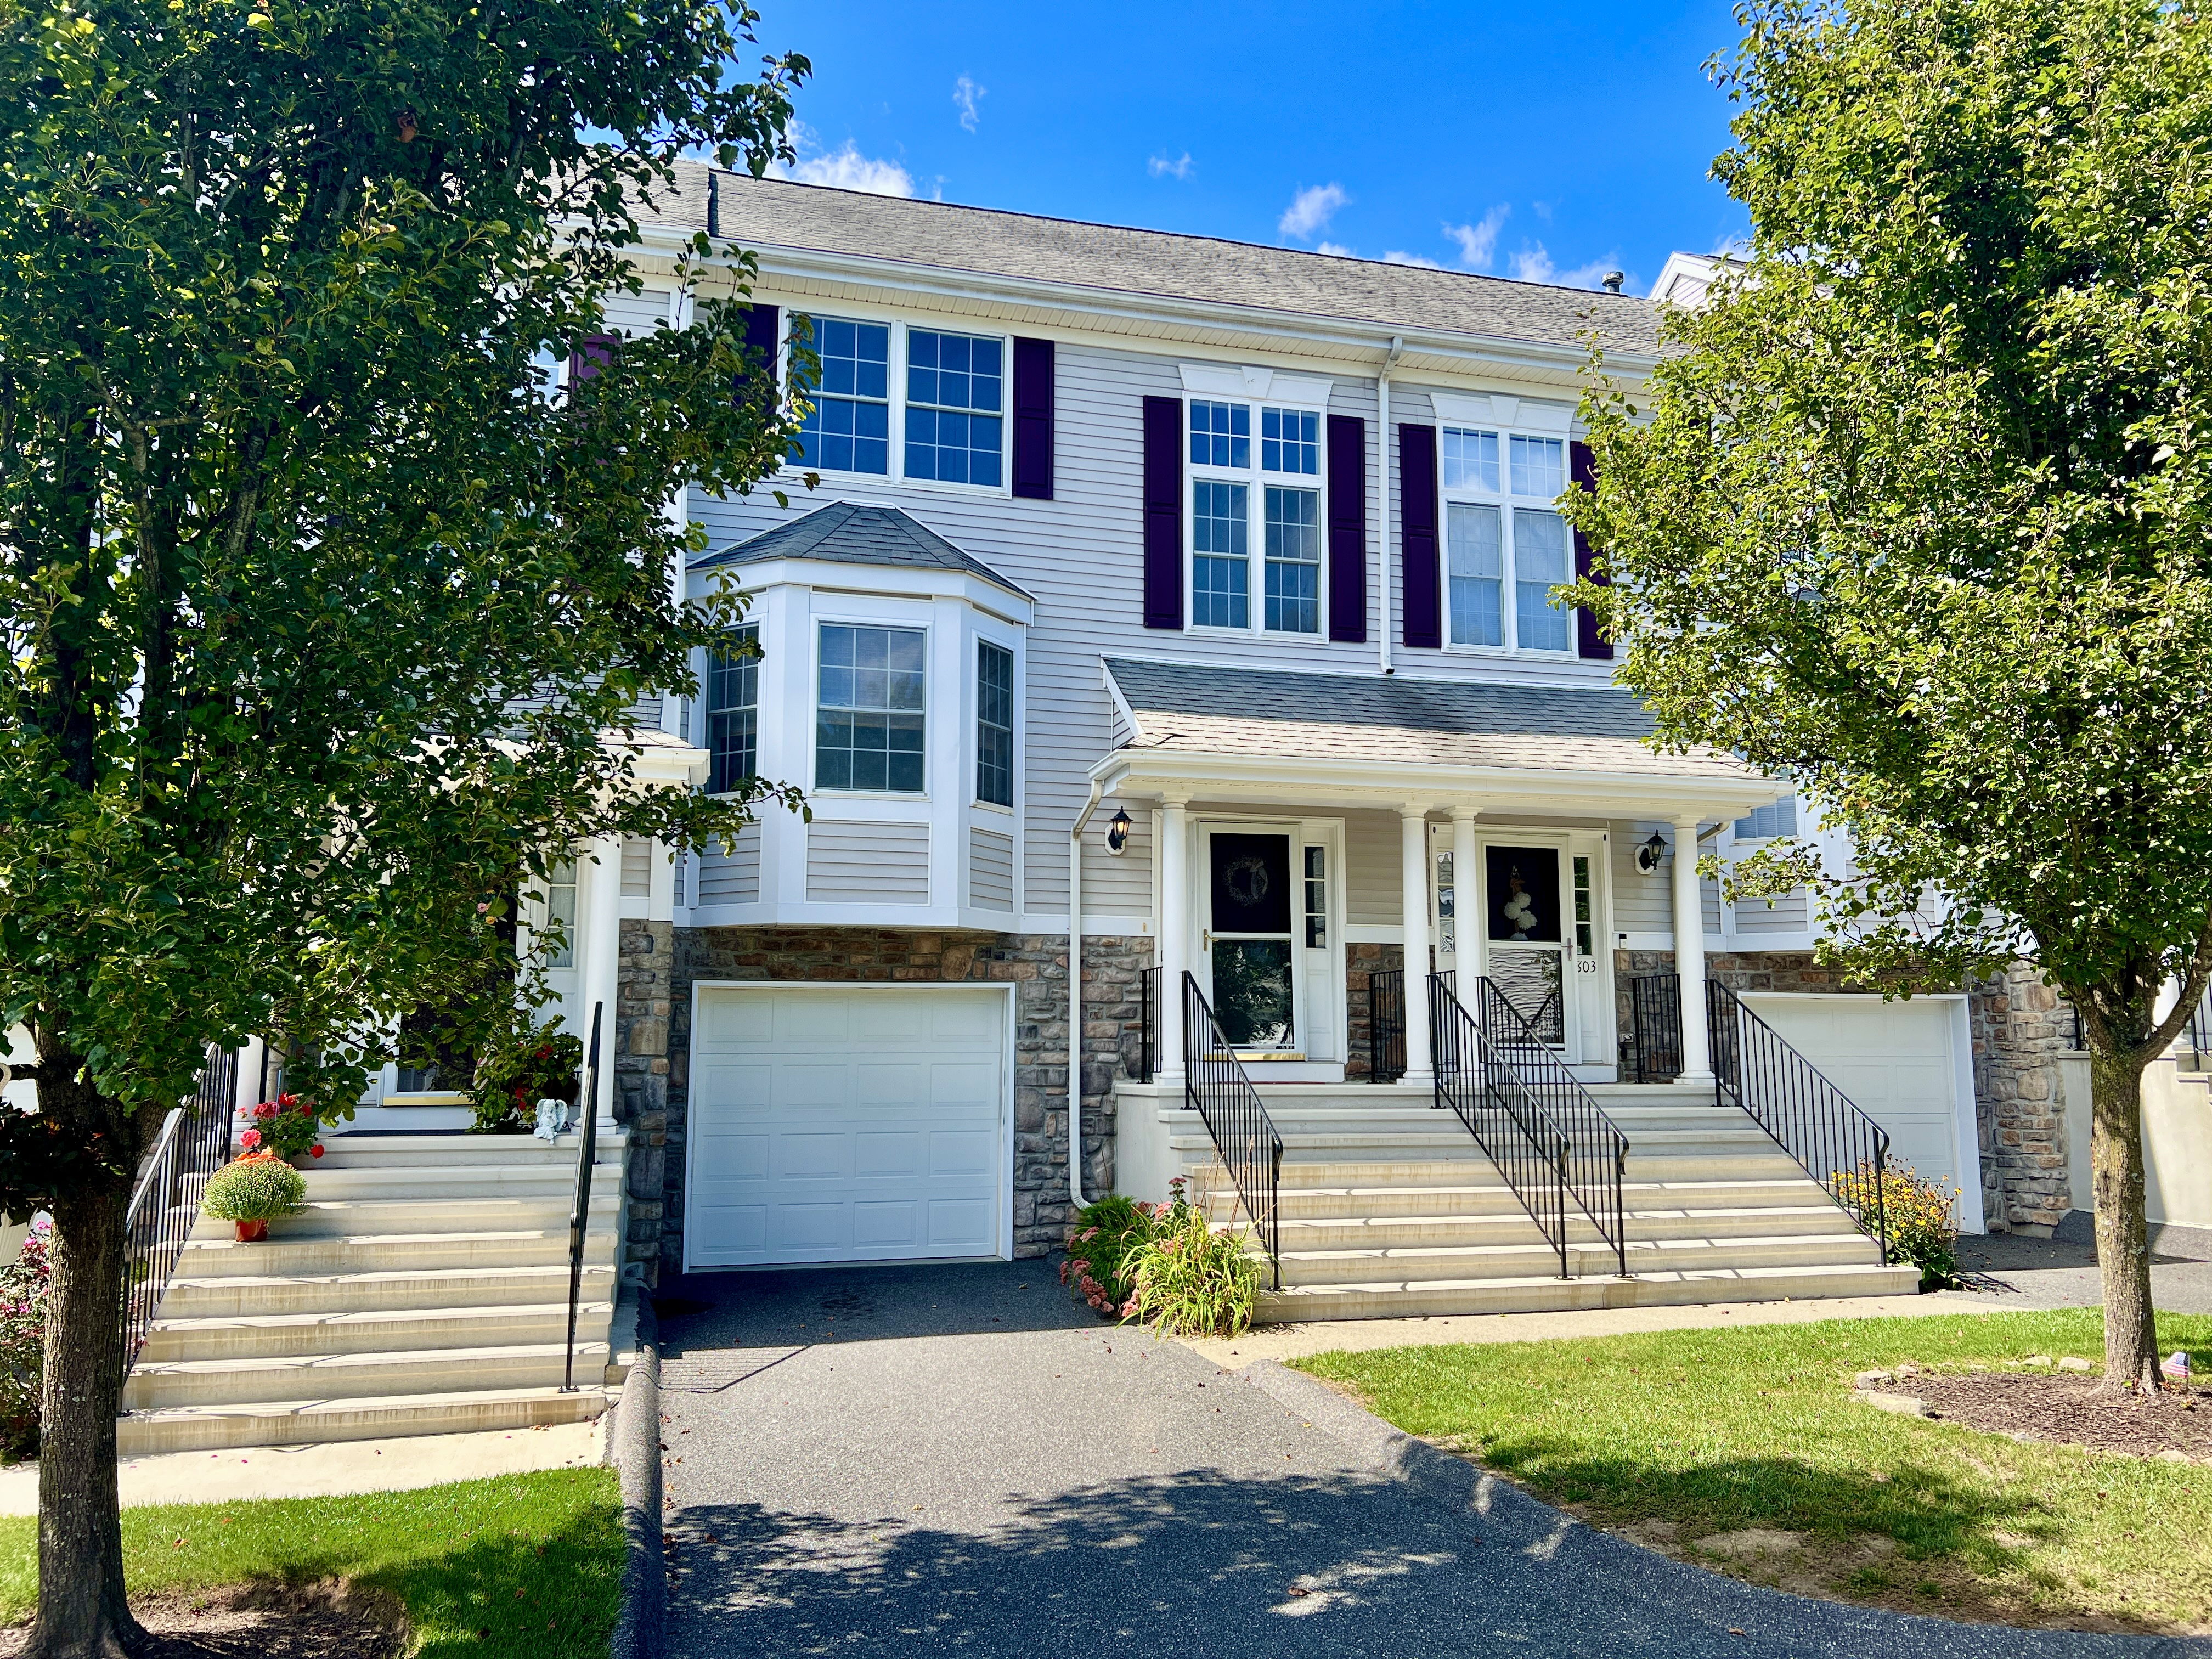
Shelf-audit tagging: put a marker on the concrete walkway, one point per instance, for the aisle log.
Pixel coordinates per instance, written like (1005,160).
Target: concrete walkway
(941,1459)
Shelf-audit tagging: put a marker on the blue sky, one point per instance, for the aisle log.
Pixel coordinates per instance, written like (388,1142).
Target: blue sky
(1542,140)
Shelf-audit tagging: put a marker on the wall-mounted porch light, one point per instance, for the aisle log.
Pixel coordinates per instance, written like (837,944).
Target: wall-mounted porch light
(1117,832)
(1651,854)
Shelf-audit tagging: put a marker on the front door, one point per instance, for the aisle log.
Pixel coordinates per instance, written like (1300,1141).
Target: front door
(1529,947)
(1250,948)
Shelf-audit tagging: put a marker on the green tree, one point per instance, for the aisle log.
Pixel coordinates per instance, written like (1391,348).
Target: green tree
(317,595)
(1917,509)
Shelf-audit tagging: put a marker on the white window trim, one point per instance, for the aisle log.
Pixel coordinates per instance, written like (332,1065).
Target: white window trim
(1504,501)
(1255,518)
(929,698)
(898,323)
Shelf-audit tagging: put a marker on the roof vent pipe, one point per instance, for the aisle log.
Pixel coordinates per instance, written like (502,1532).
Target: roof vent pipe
(1613,279)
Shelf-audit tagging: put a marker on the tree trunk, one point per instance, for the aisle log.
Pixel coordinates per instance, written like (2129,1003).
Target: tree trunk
(83,1611)
(2116,1163)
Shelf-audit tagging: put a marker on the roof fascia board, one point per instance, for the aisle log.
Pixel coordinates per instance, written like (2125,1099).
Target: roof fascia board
(900,581)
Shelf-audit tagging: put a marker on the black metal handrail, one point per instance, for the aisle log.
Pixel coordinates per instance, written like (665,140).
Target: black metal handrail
(1215,1084)
(1654,1024)
(1597,1151)
(194,1141)
(1802,1112)
(1503,1115)
(579,1217)
(1386,1024)
(1148,1024)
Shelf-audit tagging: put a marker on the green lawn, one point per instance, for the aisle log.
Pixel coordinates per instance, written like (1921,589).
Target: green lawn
(536,1559)
(1676,1437)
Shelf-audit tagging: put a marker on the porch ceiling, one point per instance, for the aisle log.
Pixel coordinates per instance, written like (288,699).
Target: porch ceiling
(1263,734)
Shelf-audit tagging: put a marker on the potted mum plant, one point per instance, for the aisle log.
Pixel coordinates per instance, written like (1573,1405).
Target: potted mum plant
(286,1127)
(252,1191)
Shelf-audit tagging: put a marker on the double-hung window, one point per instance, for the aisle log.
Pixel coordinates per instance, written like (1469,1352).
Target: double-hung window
(1505,547)
(849,427)
(994,724)
(1229,477)
(733,711)
(869,710)
(561,913)
(943,393)
(1765,822)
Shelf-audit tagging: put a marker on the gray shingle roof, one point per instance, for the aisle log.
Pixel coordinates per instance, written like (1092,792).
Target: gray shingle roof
(1248,711)
(846,532)
(761,213)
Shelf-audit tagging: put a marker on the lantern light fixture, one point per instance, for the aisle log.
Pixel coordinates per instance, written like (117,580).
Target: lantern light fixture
(1651,854)
(1117,832)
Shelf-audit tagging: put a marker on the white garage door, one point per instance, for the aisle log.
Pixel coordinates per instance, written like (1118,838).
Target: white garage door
(1897,1061)
(846,1124)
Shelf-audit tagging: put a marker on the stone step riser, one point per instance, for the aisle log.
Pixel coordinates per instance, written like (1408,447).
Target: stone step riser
(1556,1296)
(1415,1233)
(440,1251)
(461,1185)
(368,1218)
(171,1342)
(1414,1267)
(356,1377)
(247,1298)
(1359,1203)
(368,1419)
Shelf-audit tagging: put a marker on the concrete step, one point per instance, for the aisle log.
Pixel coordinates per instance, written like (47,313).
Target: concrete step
(1436,1230)
(445,1151)
(358,1218)
(248,1296)
(306,1422)
(220,1256)
(469,1182)
(384,1330)
(1501,1260)
(222,1382)
(1405,1299)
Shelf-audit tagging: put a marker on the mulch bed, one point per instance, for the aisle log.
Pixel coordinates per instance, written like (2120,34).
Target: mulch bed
(263,1621)
(2070,1409)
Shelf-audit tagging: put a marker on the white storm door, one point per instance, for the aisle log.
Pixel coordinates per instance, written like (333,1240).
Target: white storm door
(846,1124)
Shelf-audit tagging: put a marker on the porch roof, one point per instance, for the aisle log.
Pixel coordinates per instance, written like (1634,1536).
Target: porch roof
(1191,724)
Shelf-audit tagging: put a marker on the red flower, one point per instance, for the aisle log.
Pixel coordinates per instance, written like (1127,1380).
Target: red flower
(249,1139)
(265,1109)
(288,1100)
(314,1152)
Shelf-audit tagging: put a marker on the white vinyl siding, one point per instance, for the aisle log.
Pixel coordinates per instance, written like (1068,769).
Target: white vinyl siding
(732,875)
(990,870)
(867,863)
(636,866)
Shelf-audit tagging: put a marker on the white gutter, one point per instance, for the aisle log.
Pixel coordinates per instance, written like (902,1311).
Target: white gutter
(1075,994)
(1383,420)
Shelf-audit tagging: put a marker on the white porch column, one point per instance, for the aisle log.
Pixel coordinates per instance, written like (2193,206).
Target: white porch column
(600,958)
(1469,924)
(1174,935)
(1413,902)
(1690,954)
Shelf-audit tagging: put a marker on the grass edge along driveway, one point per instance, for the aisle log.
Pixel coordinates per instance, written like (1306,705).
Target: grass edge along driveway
(534,1560)
(1712,1444)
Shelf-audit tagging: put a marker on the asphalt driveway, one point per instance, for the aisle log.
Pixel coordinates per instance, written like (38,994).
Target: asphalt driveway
(960,1460)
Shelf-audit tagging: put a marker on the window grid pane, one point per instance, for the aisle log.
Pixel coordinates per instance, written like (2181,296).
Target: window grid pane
(1476,566)
(849,428)
(1540,467)
(1470,459)
(1316,897)
(994,724)
(1293,555)
(1220,545)
(954,387)
(560,907)
(1221,434)
(733,715)
(868,719)
(1540,563)
(1780,818)
(1289,441)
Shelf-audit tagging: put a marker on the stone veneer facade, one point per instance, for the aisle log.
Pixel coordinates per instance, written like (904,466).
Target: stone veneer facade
(2019,1028)
(661,963)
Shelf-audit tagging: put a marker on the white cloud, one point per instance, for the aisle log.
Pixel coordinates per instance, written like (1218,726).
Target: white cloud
(1160,167)
(1398,257)
(1311,209)
(842,169)
(1336,251)
(1533,263)
(965,92)
(1478,241)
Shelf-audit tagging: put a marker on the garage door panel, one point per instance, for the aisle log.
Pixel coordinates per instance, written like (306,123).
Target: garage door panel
(857,1126)
(1893,1061)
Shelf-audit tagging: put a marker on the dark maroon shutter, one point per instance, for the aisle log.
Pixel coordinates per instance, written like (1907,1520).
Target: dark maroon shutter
(592,358)
(1033,378)
(1163,513)
(1587,642)
(762,328)
(1416,534)
(1348,528)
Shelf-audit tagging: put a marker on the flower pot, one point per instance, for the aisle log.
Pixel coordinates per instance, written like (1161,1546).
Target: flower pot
(250,1231)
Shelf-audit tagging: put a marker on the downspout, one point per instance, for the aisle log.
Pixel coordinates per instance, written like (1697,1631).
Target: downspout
(1075,994)
(1383,420)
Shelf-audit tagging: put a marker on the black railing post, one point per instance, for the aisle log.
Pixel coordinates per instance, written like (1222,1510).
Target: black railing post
(1148,1024)
(164,1202)
(579,1217)
(1217,1088)
(1386,1025)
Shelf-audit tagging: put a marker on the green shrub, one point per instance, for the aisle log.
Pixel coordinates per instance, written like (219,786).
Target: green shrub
(22,1343)
(1917,1212)
(1191,1280)
(535,1063)
(259,1187)
(1098,1250)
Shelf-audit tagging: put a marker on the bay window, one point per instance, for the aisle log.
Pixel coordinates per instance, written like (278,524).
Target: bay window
(1501,534)
(994,724)
(869,710)
(734,712)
